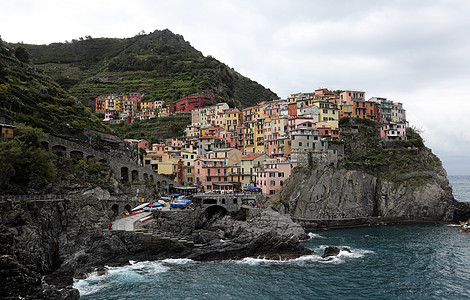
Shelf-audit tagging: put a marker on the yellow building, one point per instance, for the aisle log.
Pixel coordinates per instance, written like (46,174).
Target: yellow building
(346,111)
(259,136)
(249,137)
(232,119)
(235,173)
(248,167)
(188,158)
(328,113)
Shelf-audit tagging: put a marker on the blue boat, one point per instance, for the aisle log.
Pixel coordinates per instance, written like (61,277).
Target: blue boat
(181,203)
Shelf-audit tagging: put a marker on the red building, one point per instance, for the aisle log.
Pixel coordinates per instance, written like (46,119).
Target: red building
(135,97)
(194,101)
(292,109)
(171,109)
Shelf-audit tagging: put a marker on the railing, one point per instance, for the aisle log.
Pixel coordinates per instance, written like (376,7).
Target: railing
(18,198)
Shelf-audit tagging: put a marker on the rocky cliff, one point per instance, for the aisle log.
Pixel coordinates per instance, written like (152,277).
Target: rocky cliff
(45,244)
(337,193)
(393,182)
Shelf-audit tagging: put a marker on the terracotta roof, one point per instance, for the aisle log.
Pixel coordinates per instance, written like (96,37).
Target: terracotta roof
(251,156)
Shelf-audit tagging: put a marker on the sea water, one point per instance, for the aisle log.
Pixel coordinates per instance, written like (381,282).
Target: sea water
(386,262)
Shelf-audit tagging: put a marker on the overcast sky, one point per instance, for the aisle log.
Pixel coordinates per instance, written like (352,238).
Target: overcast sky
(414,52)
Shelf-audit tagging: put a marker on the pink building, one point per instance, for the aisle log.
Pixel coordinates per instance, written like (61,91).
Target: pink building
(275,171)
(349,97)
(393,132)
(142,144)
(209,171)
(228,137)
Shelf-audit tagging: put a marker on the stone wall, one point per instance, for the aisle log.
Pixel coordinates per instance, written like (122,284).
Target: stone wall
(332,154)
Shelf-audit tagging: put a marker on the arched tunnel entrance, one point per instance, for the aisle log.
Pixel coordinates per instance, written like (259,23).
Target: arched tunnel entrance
(215,212)
(124,175)
(128,208)
(115,209)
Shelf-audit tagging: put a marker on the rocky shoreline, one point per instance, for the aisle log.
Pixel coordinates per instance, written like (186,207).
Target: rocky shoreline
(45,245)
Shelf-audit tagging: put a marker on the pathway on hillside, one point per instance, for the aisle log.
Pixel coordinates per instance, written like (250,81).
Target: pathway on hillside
(127,223)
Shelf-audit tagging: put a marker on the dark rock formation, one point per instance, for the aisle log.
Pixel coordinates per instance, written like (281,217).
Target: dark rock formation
(44,245)
(268,234)
(330,251)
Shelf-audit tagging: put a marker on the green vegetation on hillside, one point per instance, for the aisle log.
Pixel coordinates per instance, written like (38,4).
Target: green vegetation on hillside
(28,96)
(364,151)
(23,162)
(154,130)
(162,65)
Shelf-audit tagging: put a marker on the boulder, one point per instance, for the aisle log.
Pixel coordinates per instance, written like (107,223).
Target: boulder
(330,251)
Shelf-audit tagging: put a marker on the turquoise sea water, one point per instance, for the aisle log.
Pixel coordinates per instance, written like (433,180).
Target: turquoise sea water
(387,262)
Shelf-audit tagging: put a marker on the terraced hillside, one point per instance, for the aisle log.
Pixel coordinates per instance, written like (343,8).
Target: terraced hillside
(162,65)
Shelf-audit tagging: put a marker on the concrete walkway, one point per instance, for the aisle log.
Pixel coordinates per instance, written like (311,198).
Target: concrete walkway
(127,223)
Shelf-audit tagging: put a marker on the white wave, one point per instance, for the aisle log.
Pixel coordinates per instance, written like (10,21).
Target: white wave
(453,225)
(258,261)
(92,284)
(177,261)
(340,258)
(312,236)
(306,258)
(132,272)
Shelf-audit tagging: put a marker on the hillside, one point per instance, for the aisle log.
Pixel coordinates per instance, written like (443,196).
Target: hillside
(29,96)
(162,65)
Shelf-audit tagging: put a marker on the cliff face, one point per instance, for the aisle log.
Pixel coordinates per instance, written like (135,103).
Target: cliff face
(326,192)
(329,192)
(374,182)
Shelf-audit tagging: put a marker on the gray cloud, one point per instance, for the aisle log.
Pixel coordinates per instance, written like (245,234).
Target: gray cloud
(415,52)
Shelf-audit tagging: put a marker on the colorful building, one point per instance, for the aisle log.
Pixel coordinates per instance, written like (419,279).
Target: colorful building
(393,132)
(249,163)
(272,175)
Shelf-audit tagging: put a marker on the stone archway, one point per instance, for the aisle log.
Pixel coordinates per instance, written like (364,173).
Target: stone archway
(164,186)
(59,150)
(77,155)
(124,175)
(146,177)
(90,158)
(235,201)
(215,212)
(115,209)
(223,200)
(135,175)
(128,208)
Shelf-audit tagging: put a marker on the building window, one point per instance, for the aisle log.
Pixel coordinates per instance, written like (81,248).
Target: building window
(272,183)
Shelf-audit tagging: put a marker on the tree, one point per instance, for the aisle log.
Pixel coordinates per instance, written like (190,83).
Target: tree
(23,161)
(22,54)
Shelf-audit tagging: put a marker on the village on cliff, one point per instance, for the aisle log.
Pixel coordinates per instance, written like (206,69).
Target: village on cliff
(226,149)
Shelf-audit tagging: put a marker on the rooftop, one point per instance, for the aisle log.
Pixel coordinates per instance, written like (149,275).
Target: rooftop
(251,156)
